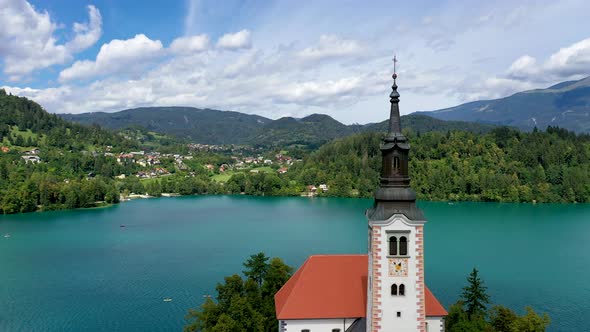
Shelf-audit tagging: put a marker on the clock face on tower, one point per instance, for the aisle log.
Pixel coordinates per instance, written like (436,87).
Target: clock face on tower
(398,267)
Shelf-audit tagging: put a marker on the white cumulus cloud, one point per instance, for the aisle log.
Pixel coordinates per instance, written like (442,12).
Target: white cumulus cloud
(235,41)
(523,67)
(117,56)
(331,46)
(314,92)
(190,44)
(570,62)
(87,34)
(28,41)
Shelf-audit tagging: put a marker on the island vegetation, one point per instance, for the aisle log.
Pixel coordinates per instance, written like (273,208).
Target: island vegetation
(246,303)
(47,163)
(471,313)
(243,304)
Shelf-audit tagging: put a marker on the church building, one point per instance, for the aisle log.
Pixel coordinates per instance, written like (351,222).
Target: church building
(383,290)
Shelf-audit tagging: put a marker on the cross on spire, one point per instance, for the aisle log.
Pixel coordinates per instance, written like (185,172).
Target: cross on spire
(394,68)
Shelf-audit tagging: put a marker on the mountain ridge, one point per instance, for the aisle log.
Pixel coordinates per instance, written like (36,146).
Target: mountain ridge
(566,105)
(229,127)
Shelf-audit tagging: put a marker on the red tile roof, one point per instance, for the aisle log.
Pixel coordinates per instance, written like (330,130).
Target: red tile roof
(332,286)
(433,307)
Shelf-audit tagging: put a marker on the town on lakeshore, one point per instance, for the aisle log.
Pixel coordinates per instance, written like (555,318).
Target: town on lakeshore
(231,166)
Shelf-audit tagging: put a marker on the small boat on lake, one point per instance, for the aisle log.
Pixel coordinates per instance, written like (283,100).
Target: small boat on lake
(6,235)
(167,299)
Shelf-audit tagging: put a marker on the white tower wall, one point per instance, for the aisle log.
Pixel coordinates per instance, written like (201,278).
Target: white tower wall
(385,270)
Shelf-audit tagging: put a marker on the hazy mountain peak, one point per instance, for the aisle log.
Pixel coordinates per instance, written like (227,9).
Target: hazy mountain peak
(566,105)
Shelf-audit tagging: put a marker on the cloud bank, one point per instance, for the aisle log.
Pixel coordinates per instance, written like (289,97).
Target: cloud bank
(28,41)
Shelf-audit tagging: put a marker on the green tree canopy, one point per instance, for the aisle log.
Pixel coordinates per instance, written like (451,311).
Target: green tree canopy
(256,267)
(469,313)
(474,295)
(243,305)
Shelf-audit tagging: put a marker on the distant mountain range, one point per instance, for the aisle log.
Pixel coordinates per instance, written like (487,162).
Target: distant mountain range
(566,105)
(225,127)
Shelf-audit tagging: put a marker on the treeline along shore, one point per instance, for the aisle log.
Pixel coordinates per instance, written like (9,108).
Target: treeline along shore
(47,163)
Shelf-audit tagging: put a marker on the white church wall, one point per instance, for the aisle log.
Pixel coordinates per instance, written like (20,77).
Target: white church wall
(315,325)
(406,304)
(410,306)
(435,324)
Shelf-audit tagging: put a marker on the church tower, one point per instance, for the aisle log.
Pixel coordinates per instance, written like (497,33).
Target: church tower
(395,285)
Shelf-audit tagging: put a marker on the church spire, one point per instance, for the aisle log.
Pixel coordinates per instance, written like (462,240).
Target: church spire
(394,194)
(394,119)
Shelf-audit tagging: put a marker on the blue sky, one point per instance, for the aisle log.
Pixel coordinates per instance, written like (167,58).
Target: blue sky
(286,58)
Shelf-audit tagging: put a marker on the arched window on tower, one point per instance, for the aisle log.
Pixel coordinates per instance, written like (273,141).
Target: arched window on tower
(393,246)
(402,289)
(403,246)
(396,165)
(394,289)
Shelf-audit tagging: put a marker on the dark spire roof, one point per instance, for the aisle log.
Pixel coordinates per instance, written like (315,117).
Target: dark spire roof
(394,194)
(394,119)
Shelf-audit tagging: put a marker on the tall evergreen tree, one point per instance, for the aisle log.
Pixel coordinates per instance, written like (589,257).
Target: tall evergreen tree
(474,295)
(243,305)
(256,267)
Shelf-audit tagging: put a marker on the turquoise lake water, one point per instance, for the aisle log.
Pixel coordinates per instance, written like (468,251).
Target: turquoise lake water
(80,271)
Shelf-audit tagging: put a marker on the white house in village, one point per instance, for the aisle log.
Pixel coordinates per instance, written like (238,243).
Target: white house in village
(31,159)
(383,290)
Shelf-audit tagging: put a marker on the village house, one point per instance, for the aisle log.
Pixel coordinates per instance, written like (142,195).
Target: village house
(161,171)
(383,290)
(283,170)
(125,157)
(153,160)
(31,159)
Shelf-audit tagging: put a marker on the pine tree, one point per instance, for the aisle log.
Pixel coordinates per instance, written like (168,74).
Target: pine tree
(256,267)
(474,295)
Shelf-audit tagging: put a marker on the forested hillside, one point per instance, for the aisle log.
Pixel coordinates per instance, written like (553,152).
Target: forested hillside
(422,123)
(23,119)
(503,165)
(224,127)
(69,176)
(48,163)
(193,124)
